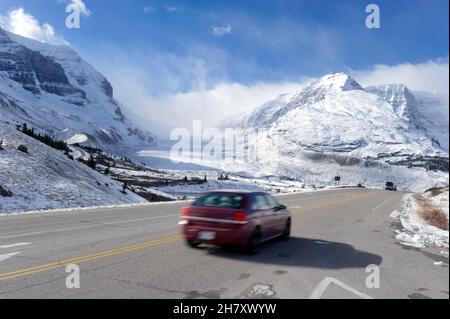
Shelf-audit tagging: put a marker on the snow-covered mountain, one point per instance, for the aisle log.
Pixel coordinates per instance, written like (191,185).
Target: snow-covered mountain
(336,127)
(429,111)
(44,178)
(336,115)
(52,89)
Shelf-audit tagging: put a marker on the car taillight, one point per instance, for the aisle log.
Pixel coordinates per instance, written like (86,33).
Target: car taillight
(185,212)
(240,217)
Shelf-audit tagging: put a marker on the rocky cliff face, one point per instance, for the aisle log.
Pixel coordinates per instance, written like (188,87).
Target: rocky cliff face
(427,111)
(402,100)
(34,71)
(52,89)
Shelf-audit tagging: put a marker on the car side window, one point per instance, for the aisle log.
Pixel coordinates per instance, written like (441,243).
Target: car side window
(273,203)
(260,202)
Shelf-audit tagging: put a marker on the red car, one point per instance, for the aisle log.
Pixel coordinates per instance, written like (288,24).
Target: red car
(235,218)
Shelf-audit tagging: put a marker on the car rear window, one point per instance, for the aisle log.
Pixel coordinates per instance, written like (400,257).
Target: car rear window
(233,201)
(260,202)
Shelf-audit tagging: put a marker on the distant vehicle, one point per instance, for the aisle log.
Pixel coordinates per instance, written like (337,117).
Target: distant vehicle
(239,218)
(391,187)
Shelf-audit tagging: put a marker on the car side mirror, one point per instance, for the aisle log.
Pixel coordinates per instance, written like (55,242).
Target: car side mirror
(281,207)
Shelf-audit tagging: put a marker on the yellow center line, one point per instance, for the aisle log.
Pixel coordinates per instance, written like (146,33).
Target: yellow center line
(331,203)
(135,247)
(107,253)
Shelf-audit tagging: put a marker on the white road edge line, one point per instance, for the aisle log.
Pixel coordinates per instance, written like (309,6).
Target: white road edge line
(385,202)
(14,245)
(320,289)
(18,235)
(6,256)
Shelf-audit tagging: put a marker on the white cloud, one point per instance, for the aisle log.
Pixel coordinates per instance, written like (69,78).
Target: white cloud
(22,23)
(172,90)
(432,75)
(80,4)
(148,9)
(222,30)
(211,106)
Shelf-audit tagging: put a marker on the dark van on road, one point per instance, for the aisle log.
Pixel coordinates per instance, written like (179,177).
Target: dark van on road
(240,218)
(391,187)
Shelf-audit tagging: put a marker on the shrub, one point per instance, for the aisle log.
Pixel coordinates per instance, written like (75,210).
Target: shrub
(432,214)
(92,163)
(45,138)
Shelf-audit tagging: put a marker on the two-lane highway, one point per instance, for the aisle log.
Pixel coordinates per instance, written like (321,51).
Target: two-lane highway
(137,252)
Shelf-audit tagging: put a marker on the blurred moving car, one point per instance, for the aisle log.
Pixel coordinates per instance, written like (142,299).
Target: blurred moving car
(228,217)
(391,187)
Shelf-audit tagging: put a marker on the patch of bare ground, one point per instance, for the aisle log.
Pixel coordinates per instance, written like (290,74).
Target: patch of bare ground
(436,191)
(432,214)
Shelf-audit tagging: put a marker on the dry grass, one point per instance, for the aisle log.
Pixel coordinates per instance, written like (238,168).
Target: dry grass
(437,191)
(432,214)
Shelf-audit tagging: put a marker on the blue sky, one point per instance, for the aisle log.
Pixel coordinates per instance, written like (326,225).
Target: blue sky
(269,40)
(174,47)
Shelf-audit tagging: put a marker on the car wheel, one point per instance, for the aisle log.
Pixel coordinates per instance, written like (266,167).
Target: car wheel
(252,246)
(287,231)
(192,243)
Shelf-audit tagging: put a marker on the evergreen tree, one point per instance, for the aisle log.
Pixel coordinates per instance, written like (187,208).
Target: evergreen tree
(92,163)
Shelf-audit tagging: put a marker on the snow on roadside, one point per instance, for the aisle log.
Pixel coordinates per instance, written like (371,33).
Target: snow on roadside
(86,208)
(416,231)
(276,187)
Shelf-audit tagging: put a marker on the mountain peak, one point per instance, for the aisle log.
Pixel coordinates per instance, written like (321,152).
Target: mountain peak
(337,82)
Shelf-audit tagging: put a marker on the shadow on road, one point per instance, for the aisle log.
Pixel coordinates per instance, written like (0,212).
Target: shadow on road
(303,252)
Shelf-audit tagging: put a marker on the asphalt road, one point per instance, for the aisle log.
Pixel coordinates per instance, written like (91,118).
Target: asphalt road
(138,253)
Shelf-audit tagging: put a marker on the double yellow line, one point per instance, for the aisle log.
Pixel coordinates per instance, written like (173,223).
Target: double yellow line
(131,248)
(77,260)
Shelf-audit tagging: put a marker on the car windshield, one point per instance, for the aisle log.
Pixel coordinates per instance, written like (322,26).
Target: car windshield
(389,184)
(225,200)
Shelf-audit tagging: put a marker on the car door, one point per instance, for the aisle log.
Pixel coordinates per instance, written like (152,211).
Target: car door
(279,215)
(261,207)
